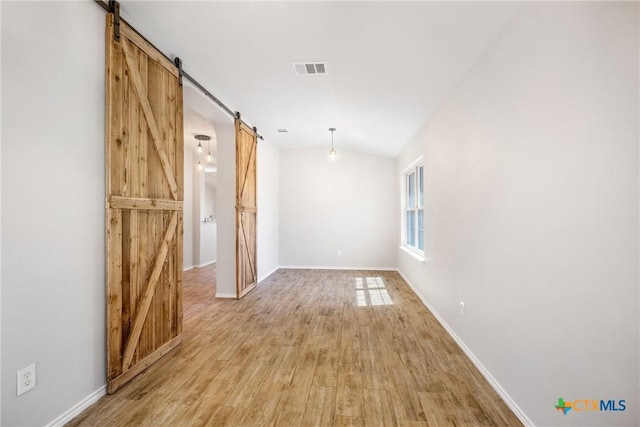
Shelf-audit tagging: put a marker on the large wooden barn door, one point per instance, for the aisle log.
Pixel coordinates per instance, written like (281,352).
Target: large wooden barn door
(246,209)
(144,174)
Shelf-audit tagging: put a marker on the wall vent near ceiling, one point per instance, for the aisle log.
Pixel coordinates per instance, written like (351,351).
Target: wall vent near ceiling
(282,130)
(310,68)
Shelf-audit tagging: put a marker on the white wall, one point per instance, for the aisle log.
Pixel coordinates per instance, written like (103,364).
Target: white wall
(188,243)
(268,169)
(0,238)
(349,204)
(208,230)
(210,200)
(225,210)
(53,287)
(208,237)
(199,236)
(532,210)
(198,207)
(204,232)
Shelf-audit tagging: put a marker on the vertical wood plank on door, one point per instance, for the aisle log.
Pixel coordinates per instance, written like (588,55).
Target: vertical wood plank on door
(113,156)
(167,315)
(162,111)
(169,129)
(126,272)
(179,171)
(143,269)
(114,292)
(147,155)
(115,124)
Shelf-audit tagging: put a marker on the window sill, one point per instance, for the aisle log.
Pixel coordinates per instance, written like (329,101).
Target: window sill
(413,253)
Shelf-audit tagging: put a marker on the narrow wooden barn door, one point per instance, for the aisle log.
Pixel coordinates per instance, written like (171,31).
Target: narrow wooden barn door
(144,176)
(246,209)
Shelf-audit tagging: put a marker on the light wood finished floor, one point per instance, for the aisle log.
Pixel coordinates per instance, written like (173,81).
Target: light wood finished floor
(307,347)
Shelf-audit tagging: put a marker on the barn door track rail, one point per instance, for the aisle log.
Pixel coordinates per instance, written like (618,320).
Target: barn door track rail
(113,6)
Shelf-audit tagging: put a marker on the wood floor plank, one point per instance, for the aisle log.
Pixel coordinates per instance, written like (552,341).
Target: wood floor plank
(349,401)
(320,408)
(378,408)
(304,349)
(262,409)
(287,419)
(295,394)
(344,421)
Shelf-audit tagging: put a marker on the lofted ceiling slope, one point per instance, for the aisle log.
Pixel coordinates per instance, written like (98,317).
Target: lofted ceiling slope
(389,64)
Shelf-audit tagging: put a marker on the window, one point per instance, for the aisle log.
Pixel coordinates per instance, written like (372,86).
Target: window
(414,208)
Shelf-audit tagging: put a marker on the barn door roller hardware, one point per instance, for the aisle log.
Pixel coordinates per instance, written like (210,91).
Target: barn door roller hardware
(114,7)
(178,63)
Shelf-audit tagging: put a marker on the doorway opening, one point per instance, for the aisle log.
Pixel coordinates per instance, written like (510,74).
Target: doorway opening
(200,192)
(201,225)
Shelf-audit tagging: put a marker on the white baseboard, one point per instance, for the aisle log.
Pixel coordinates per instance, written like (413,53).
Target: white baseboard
(318,267)
(226,295)
(76,409)
(484,371)
(207,263)
(264,276)
(199,266)
(232,295)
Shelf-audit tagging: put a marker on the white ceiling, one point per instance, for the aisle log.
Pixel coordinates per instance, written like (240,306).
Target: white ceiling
(390,64)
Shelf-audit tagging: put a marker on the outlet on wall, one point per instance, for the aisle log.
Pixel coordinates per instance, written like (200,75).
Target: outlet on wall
(26,379)
(462,307)
(339,252)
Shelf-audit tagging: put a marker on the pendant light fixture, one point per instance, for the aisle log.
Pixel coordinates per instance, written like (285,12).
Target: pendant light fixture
(201,138)
(209,156)
(332,152)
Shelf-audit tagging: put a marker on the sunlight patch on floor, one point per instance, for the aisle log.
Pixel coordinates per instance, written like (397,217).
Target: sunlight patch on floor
(371,292)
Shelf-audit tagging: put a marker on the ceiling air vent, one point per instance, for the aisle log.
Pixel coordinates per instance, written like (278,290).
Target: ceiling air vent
(310,68)
(282,130)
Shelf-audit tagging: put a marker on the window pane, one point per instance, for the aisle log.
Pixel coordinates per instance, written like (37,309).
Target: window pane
(421,229)
(421,186)
(411,190)
(411,228)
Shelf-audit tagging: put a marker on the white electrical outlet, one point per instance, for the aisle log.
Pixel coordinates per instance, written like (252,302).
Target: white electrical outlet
(462,308)
(26,379)
(339,252)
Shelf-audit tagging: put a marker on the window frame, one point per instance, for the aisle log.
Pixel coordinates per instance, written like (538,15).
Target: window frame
(413,178)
